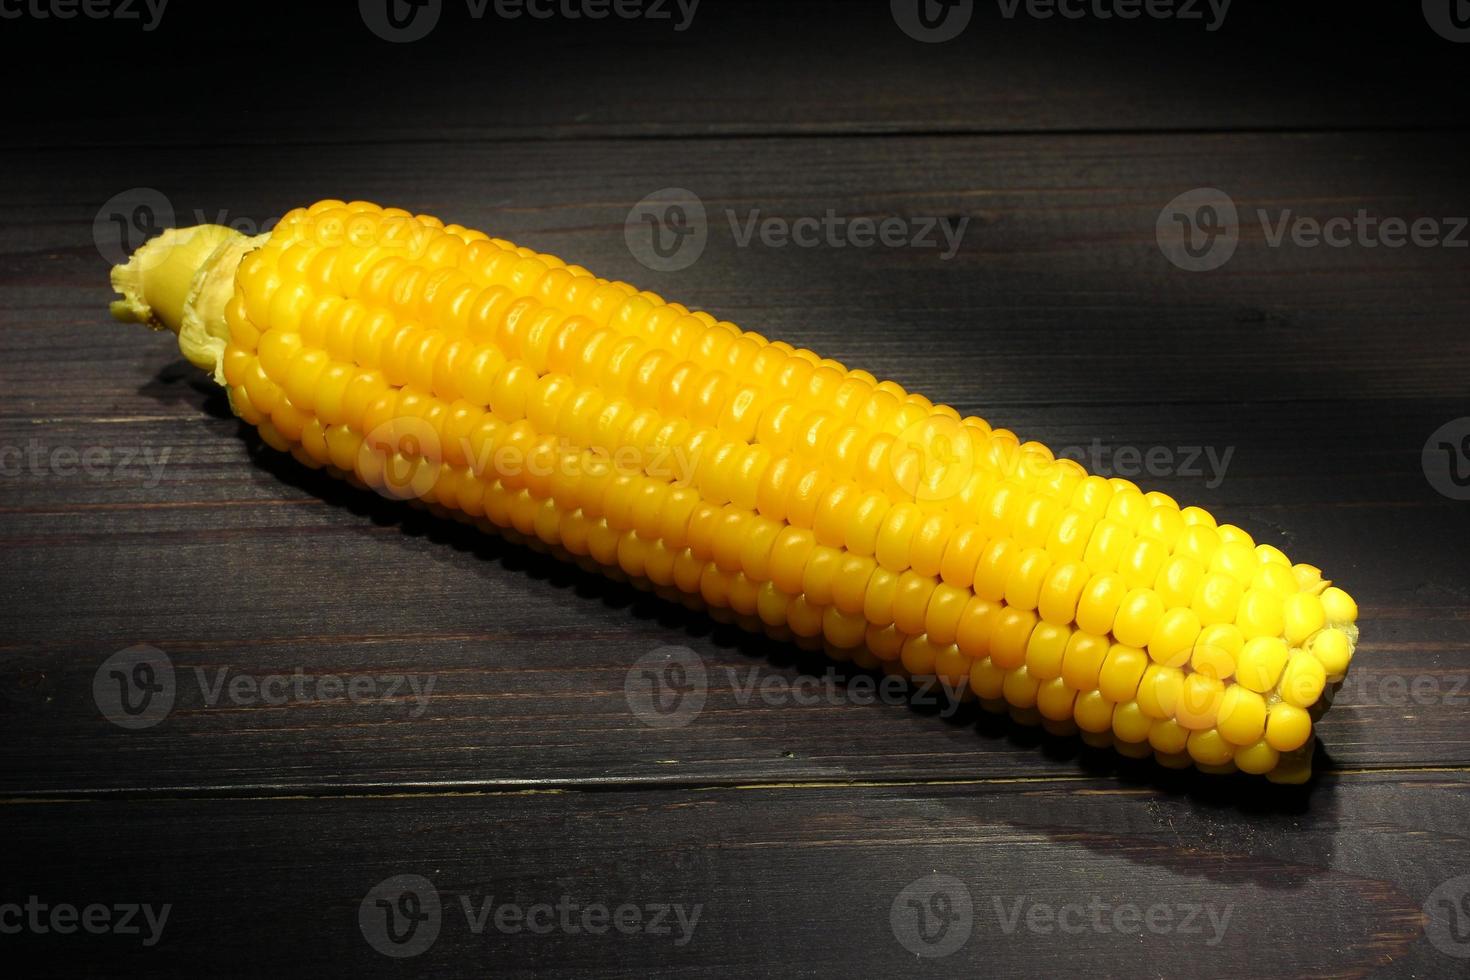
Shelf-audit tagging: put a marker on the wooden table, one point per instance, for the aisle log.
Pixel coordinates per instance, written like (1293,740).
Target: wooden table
(361,692)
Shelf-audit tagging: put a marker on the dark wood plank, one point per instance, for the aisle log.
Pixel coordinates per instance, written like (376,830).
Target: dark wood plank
(1058,292)
(1060,319)
(239,563)
(784,881)
(746,67)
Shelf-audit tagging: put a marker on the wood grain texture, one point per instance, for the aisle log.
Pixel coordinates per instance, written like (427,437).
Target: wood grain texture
(808,881)
(741,67)
(1309,433)
(1291,392)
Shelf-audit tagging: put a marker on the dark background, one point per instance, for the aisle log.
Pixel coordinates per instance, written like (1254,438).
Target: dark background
(796,828)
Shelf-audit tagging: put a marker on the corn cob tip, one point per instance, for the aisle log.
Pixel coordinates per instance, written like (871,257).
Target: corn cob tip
(180,281)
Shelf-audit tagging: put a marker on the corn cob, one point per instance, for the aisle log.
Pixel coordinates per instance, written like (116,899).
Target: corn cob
(773,487)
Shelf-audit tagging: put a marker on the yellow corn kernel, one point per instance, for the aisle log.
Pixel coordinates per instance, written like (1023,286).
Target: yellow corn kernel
(1261,662)
(1061,592)
(1209,748)
(1273,578)
(1242,717)
(1011,635)
(1174,637)
(1054,700)
(1168,736)
(1046,649)
(1236,559)
(1217,599)
(986,679)
(1199,701)
(1303,615)
(1303,680)
(1121,671)
(1083,659)
(1178,581)
(1138,616)
(1020,688)
(1159,690)
(1339,606)
(1130,724)
(1097,609)
(1287,727)
(1093,712)
(1257,758)
(1333,650)
(1216,650)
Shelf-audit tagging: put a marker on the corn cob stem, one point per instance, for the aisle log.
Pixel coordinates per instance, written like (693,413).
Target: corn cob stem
(808,500)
